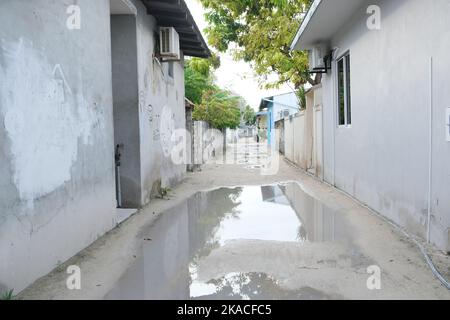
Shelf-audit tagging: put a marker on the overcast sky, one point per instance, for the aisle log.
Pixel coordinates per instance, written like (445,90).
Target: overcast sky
(235,76)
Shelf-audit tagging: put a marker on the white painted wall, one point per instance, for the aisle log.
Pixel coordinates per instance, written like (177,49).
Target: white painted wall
(382,159)
(289,139)
(303,135)
(299,139)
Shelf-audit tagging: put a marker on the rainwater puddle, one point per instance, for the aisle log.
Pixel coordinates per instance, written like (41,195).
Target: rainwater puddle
(261,242)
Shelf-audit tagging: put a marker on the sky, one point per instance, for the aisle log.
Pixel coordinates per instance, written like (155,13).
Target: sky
(237,77)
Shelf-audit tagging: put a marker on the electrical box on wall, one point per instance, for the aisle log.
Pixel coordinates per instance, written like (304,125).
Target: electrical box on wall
(447,124)
(316,58)
(319,59)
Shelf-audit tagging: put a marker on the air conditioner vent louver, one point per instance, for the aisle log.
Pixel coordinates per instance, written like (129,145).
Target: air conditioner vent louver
(165,38)
(169,43)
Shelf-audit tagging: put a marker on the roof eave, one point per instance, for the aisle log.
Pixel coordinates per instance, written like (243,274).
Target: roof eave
(324,19)
(175,13)
(304,25)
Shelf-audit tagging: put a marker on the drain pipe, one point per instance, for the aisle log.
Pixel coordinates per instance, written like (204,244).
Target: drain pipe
(430,155)
(335,102)
(322,161)
(334,79)
(118,156)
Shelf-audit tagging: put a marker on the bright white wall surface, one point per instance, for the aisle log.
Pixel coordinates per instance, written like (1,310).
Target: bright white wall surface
(383,158)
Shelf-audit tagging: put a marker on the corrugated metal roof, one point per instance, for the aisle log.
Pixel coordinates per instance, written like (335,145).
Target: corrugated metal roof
(175,13)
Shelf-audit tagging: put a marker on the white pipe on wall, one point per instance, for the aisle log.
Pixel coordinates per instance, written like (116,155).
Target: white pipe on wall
(335,101)
(430,154)
(322,160)
(334,81)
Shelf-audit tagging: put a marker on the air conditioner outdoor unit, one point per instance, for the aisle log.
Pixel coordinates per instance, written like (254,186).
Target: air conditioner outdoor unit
(169,44)
(317,58)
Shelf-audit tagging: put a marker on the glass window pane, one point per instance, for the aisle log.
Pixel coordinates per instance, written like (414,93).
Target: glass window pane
(348,87)
(341,94)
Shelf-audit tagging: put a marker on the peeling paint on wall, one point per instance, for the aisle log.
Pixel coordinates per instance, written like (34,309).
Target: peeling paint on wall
(44,119)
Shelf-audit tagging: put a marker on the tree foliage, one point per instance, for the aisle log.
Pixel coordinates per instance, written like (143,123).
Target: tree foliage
(211,104)
(249,116)
(219,108)
(198,76)
(262,32)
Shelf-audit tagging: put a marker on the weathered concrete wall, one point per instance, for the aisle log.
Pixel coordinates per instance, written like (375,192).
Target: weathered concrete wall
(208,143)
(289,138)
(126,107)
(190,137)
(303,135)
(279,136)
(317,155)
(295,139)
(56,135)
(299,139)
(382,159)
(161,109)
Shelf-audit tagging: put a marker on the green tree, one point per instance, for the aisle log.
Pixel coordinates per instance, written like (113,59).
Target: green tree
(261,32)
(198,77)
(216,106)
(249,116)
(219,108)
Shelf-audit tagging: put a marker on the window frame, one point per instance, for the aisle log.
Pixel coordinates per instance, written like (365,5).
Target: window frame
(346,60)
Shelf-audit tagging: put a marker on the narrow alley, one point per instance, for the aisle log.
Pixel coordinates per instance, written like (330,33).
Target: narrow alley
(228,232)
(196,150)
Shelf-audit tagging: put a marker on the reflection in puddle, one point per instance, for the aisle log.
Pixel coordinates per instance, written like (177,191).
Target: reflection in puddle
(256,209)
(253,286)
(203,248)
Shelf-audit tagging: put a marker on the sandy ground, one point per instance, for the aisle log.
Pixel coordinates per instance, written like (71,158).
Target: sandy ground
(105,261)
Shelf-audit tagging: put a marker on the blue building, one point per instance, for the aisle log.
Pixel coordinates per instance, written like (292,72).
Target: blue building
(272,109)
